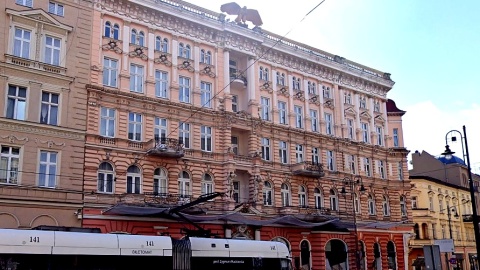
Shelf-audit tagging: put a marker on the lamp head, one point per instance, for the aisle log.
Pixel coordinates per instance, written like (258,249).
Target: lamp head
(362,188)
(343,191)
(448,154)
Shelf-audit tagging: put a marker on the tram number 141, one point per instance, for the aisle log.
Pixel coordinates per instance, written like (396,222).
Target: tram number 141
(34,239)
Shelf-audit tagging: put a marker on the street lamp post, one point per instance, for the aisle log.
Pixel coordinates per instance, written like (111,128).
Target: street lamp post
(449,215)
(448,154)
(352,183)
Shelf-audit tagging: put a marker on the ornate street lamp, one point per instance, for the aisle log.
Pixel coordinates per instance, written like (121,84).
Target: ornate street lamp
(352,183)
(448,155)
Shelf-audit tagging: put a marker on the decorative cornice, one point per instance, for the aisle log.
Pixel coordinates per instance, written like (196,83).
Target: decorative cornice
(38,129)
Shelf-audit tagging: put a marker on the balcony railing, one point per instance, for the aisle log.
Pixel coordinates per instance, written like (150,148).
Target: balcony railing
(167,147)
(238,78)
(310,169)
(24,62)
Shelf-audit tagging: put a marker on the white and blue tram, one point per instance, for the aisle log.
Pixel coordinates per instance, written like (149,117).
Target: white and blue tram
(60,250)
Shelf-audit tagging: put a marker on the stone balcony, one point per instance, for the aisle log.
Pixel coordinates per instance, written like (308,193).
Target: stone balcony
(308,169)
(167,147)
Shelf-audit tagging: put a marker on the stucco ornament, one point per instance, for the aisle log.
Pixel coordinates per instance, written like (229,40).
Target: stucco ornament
(243,14)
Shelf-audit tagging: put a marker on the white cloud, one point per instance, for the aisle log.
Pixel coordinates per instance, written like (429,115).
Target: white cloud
(425,126)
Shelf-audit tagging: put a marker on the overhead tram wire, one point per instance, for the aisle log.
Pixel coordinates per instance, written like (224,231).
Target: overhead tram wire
(248,67)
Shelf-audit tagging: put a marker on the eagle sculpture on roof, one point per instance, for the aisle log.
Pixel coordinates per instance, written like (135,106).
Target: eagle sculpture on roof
(243,14)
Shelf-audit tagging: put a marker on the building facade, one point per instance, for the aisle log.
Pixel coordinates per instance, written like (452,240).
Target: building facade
(441,209)
(304,146)
(44,67)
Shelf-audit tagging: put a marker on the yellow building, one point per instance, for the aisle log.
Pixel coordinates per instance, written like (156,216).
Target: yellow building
(441,210)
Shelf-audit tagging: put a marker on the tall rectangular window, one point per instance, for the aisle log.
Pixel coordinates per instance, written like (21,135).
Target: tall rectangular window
(234,144)
(21,43)
(49,110)
(134,126)
(352,164)
(55,8)
(27,3)
(367,167)
(379,131)
(52,50)
(298,111)
(136,78)
(328,124)
(400,170)
(315,155)
(265,108)
(350,129)
(381,169)
(206,138)
(234,103)
(283,152)
(184,89)
(110,72)
(47,172)
(395,137)
(314,120)
(161,84)
(160,130)
(16,102)
(299,153)
(282,112)
(364,132)
(107,122)
(9,159)
(265,149)
(330,161)
(184,134)
(206,94)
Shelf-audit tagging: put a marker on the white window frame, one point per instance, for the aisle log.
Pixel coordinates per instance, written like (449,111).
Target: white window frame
(317,194)
(348,98)
(352,164)
(296,84)
(395,138)
(160,129)
(22,42)
(27,3)
(111,31)
(236,191)
(110,72)
(136,78)
(414,202)
(312,88)
(50,109)
(234,103)
(381,169)
(205,57)
(400,170)
(207,184)
(267,194)
(105,178)
(282,113)
(333,200)
(315,155)
(134,178)
(365,136)
(161,84)
(48,169)
(107,122)
(386,206)
(135,126)
(327,93)
(184,134)
(314,120)
(56,8)
(379,131)
(52,54)
(403,206)
(367,167)
(350,129)
(265,143)
(9,164)
(371,205)
(265,108)
(206,140)
(298,111)
(160,181)
(330,160)
(302,196)
(362,103)
(356,203)
(206,94)
(286,195)
(184,184)
(184,89)
(299,153)
(283,152)
(16,103)
(328,124)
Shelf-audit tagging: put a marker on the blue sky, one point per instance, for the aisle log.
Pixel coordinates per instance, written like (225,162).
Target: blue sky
(431,48)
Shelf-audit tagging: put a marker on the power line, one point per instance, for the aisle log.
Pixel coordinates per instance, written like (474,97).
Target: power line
(248,67)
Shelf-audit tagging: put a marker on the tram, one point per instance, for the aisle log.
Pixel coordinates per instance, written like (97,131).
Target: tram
(61,250)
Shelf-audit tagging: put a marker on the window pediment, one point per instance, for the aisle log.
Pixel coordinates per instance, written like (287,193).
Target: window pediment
(365,115)
(379,119)
(31,17)
(350,111)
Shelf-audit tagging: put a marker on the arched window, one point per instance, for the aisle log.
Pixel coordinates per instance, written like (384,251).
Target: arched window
(403,206)
(266,74)
(285,190)
(281,79)
(141,39)
(160,182)
(181,49)
(302,196)
(133,36)
(416,230)
(357,204)
(267,193)
(202,56)
(371,205)
(105,178)
(377,263)
(391,256)
(184,184)
(158,43)
(187,52)
(207,184)
(386,206)
(311,88)
(134,180)
(205,57)
(108,29)
(336,254)
(116,32)
(305,255)
(318,198)
(333,200)
(282,240)
(296,83)
(362,255)
(260,73)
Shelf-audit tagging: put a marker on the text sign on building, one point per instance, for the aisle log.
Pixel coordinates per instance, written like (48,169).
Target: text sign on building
(446,245)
